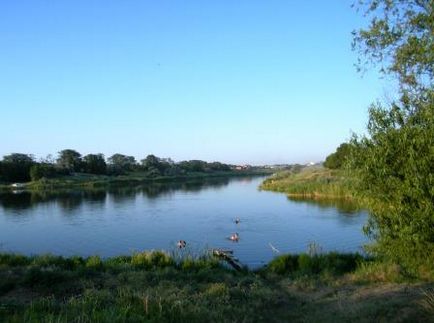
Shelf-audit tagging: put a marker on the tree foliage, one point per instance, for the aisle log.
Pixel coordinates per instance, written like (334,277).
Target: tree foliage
(16,167)
(339,158)
(155,166)
(21,167)
(400,38)
(69,160)
(120,164)
(395,162)
(94,164)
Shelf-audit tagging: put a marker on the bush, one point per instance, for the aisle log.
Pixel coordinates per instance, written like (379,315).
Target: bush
(329,264)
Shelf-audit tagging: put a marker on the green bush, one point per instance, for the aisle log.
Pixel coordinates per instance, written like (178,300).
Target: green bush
(319,264)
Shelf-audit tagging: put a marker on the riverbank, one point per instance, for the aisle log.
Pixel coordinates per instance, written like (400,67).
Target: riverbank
(315,183)
(153,286)
(81,180)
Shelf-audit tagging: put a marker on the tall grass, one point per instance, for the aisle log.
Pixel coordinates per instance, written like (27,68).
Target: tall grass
(155,287)
(315,181)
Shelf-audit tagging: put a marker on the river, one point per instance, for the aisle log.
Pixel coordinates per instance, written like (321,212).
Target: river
(123,220)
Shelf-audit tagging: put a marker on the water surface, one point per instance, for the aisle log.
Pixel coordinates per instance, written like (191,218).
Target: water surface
(122,220)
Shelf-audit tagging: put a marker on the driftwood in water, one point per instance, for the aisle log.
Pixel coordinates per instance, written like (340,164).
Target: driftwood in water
(227,255)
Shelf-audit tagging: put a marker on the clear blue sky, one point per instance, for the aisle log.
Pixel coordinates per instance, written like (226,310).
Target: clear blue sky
(236,81)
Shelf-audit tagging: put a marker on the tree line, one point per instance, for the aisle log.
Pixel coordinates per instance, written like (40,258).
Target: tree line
(19,167)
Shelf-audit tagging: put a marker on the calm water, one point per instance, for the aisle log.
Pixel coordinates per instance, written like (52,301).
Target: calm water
(123,220)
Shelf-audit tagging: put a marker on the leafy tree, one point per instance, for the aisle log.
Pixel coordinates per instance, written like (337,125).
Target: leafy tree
(155,166)
(121,163)
(395,162)
(94,164)
(70,160)
(400,40)
(338,158)
(15,167)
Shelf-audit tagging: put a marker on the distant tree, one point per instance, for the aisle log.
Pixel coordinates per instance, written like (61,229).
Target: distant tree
(339,157)
(119,164)
(194,165)
(217,166)
(155,166)
(94,164)
(16,167)
(70,160)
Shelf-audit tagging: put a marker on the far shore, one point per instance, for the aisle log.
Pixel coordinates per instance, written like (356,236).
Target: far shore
(93,181)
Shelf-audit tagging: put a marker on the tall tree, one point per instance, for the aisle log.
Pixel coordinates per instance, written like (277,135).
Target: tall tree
(155,165)
(395,162)
(94,164)
(121,163)
(16,167)
(69,160)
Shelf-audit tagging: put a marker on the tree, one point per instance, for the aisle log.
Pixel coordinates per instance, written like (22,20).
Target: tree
(94,164)
(217,166)
(394,164)
(16,167)
(69,160)
(120,164)
(400,40)
(155,166)
(339,157)
(193,165)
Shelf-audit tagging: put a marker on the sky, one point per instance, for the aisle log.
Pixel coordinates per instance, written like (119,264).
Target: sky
(248,81)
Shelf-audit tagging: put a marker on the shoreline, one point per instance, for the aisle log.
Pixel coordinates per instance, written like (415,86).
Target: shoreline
(93,181)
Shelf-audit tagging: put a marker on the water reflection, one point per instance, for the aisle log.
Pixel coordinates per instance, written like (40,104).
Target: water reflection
(72,199)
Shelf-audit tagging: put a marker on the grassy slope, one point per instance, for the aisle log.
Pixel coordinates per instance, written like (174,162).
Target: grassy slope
(153,287)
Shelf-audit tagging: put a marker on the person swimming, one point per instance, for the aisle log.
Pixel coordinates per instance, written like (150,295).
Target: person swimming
(234,237)
(181,244)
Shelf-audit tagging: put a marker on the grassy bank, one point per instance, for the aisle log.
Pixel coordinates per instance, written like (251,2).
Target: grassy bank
(153,286)
(92,181)
(315,183)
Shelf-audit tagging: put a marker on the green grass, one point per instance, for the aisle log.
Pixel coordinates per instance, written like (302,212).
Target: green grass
(312,182)
(318,184)
(156,287)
